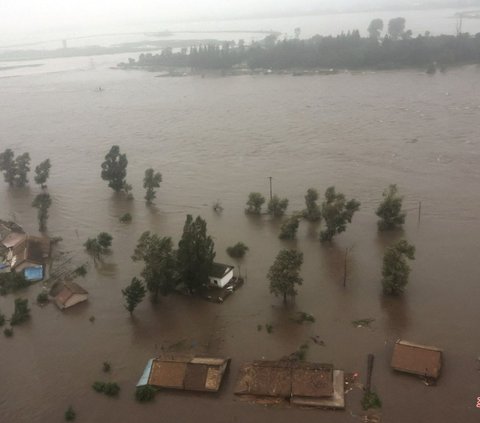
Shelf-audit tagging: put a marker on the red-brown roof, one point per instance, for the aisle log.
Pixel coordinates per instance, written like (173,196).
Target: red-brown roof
(417,359)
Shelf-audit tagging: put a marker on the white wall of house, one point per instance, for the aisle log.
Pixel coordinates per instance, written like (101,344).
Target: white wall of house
(75,299)
(221,282)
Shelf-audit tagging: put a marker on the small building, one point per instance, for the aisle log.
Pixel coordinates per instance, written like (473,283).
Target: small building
(67,294)
(306,384)
(221,274)
(31,252)
(202,374)
(417,359)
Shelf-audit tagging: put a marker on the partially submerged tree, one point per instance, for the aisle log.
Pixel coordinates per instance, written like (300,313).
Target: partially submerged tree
(284,273)
(375,28)
(21,312)
(160,272)
(237,251)
(396,27)
(22,167)
(336,212)
(395,270)
(98,246)
(277,207)
(7,166)
(312,212)
(195,254)
(151,181)
(42,172)
(114,169)
(42,203)
(390,210)
(289,228)
(133,294)
(255,203)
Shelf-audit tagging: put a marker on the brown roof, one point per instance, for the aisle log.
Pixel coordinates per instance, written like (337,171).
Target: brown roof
(63,291)
(195,377)
(168,374)
(285,378)
(417,359)
(33,249)
(13,238)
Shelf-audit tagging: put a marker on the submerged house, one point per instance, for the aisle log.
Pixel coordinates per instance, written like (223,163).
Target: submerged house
(417,359)
(202,374)
(67,294)
(221,274)
(300,383)
(29,256)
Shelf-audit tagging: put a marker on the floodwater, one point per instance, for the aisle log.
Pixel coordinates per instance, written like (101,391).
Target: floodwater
(219,139)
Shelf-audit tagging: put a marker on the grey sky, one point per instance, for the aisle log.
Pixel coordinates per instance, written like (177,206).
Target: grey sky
(36,15)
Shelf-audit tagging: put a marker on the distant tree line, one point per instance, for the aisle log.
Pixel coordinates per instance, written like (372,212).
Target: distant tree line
(396,48)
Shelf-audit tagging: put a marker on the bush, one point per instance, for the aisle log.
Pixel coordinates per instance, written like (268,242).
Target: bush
(237,251)
(8,332)
(371,400)
(107,366)
(145,393)
(269,328)
(11,282)
(98,386)
(21,313)
(42,298)
(2,319)
(126,218)
(70,414)
(111,389)
(81,270)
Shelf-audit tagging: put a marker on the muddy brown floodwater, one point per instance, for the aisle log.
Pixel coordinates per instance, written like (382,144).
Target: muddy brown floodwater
(220,138)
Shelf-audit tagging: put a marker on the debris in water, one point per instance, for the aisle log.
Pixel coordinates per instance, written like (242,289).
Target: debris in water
(362,322)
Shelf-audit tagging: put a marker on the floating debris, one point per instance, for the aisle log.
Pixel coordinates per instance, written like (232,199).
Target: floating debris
(363,323)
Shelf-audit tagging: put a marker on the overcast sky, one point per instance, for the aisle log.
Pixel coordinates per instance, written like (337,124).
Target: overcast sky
(34,15)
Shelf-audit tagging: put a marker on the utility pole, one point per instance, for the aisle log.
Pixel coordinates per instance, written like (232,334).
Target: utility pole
(419,211)
(270,187)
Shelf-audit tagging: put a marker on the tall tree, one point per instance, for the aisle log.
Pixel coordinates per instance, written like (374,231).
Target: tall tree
(277,207)
(395,270)
(255,203)
(133,294)
(42,203)
(195,254)
(375,28)
(284,274)
(160,272)
(312,212)
(114,169)
(337,212)
(390,210)
(7,166)
(396,27)
(42,172)
(151,181)
(22,167)
(98,246)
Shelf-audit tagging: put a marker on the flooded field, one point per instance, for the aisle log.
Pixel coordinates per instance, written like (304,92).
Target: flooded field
(219,139)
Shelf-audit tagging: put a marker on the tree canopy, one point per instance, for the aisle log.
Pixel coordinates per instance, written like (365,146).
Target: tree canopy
(336,212)
(133,294)
(395,270)
(114,169)
(289,227)
(15,170)
(312,212)
(151,181)
(277,207)
(284,274)
(42,203)
(390,210)
(98,246)
(160,272)
(42,172)
(195,254)
(237,251)
(255,203)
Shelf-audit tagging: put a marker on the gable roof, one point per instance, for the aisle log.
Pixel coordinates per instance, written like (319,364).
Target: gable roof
(219,270)
(417,359)
(32,249)
(63,291)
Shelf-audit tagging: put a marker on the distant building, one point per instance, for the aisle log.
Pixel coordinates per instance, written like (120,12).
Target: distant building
(67,294)
(203,374)
(300,383)
(417,359)
(221,274)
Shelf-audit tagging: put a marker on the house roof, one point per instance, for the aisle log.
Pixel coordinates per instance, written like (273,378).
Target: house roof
(417,359)
(285,378)
(197,374)
(63,291)
(13,239)
(219,270)
(8,227)
(32,249)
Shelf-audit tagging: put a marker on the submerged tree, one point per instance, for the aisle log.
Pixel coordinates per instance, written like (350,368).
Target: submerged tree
(336,212)
(255,203)
(42,203)
(375,28)
(22,167)
(195,254)
(312,212)
(284,273)
(237,251)
(390,210)
(151,181)
(289,228)
(395,270)
(98,246)
(21,312)
(114,169)
(159,273)
(7,166)
(133,294)
(42,172)
(277,207)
